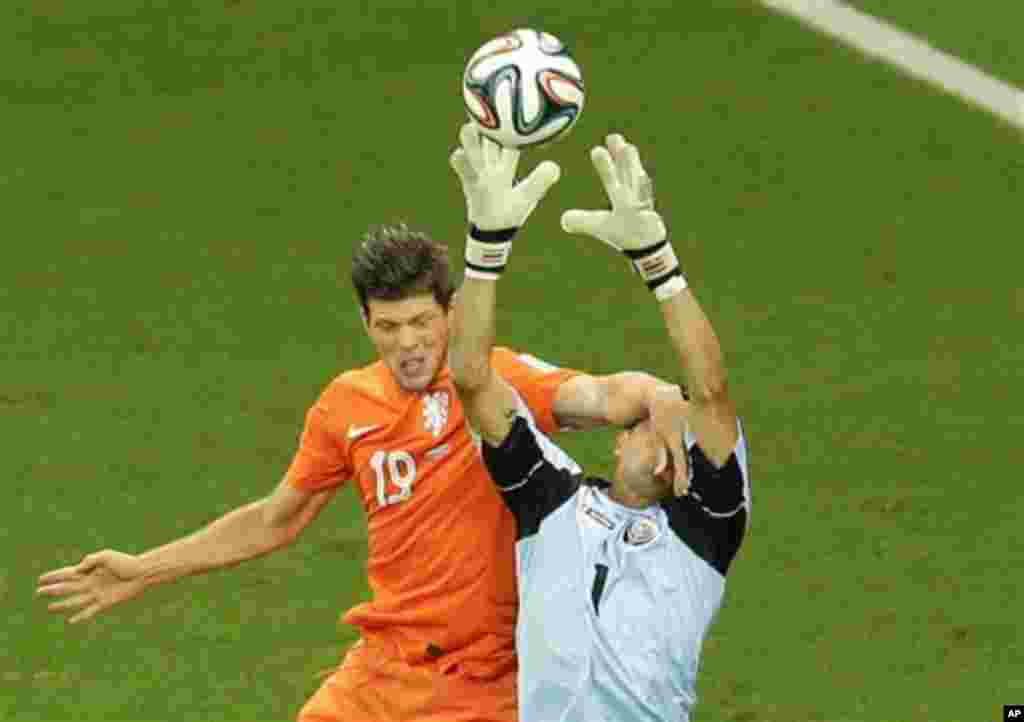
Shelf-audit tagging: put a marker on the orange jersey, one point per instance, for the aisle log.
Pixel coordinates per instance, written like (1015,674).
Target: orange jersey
(441,562)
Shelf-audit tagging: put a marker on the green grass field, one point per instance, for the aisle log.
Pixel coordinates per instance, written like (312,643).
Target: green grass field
(182,189)
(984,33)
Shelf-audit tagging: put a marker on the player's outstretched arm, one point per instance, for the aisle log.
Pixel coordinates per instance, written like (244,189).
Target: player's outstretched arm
(488,400)
(620,399)
(107,578)
(633,227)
(497,207)
(711,411)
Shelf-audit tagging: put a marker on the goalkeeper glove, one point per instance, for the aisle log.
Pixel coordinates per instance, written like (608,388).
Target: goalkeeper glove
(632,226)
(496,204)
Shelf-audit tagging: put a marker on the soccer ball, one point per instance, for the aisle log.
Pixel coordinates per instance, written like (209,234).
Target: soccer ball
(523,88)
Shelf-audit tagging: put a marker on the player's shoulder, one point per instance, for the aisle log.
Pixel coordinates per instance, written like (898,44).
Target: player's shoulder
(354,387)
(734,469)
(360,377)
(505,360)
(503,353)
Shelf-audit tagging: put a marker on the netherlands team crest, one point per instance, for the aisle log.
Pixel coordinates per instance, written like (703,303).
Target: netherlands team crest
(435,412)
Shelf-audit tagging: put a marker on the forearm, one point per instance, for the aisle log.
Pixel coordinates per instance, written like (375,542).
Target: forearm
(473,333)
(489,403)
(233,538)
(629,397)
(697,346)
(621,399)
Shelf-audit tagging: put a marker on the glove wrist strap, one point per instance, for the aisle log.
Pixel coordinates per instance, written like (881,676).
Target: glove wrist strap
(487,252)
(659,268)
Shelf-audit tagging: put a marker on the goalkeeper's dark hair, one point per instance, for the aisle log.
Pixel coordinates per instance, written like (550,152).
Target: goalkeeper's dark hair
(395,262)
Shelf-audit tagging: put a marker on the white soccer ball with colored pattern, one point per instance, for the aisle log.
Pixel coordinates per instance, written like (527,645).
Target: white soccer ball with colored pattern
(523,88)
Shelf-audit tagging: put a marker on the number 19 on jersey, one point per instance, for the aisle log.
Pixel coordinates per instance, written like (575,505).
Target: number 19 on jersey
(393,469)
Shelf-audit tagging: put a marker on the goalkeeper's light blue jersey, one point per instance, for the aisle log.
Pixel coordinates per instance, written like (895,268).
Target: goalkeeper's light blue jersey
(614,601)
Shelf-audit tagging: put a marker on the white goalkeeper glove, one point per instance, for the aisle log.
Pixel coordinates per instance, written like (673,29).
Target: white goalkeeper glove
(497,205)
(632,226)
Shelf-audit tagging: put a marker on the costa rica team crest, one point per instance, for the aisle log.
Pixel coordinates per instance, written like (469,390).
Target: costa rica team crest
(641,531)
(435,411)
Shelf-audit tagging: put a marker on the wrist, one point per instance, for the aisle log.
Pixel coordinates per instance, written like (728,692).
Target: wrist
(487,252)
(659,268)
(165,564)
(663,396)
(151,572)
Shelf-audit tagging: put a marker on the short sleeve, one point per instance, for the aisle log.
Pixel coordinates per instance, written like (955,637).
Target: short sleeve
(534,476)
(536,381)
(712,518)
(320,461)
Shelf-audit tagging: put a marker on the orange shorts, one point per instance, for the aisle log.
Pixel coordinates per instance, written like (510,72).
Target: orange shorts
(373,684)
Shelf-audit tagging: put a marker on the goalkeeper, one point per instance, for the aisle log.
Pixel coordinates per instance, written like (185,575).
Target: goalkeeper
(618,580)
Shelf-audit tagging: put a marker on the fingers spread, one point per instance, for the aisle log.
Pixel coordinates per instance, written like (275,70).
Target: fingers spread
(616,143)
(469,136)
(463,168)
(576,221)
(91,561)
(60,589)
(633,167)
(491,150)
(535,185)
(59,575)
(631,171)
(644,189)
(618,148)
(605,167)
(592,223)
(71,603)
(510,157)
(87,613)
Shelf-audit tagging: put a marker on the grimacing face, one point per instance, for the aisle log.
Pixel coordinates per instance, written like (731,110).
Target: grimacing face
(411,337)
(639,452)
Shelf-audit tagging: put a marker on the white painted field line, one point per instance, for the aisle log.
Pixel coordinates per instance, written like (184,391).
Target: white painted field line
(911,54)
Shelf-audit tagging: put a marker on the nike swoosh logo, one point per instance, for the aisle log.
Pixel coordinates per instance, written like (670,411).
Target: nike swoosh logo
(355,432)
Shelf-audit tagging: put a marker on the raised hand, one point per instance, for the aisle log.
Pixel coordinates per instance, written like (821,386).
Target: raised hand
(494,200)
(632,223)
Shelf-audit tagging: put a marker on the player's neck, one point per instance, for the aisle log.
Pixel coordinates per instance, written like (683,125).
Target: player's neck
(440,375)
(620,493)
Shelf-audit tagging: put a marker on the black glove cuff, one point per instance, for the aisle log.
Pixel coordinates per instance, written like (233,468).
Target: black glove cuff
(502,235)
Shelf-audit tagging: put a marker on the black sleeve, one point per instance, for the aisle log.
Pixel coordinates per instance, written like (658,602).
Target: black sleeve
(530,484)
(712,518)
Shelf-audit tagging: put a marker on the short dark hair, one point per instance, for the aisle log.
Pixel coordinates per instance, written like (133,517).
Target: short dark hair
(395,262)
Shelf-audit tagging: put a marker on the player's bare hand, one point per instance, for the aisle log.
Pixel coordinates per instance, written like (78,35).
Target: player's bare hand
(98,582)
(632,223)
(667,412)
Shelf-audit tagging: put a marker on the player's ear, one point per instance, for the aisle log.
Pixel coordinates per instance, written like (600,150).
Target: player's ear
(366,319)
